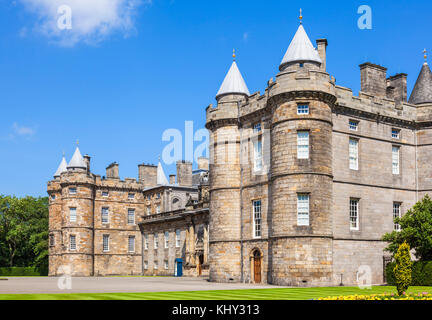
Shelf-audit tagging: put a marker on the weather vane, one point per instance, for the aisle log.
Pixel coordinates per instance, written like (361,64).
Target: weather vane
(301,16)
(425,55)
(77,142)
(234,55)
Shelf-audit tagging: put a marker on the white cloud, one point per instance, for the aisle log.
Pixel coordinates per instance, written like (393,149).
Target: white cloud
(22,131)
(92,20)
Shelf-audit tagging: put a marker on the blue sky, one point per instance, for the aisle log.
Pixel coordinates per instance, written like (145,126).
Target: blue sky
(129,73)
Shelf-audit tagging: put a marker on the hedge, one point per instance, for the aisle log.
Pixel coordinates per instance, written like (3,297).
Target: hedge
(19,272)
(421,273)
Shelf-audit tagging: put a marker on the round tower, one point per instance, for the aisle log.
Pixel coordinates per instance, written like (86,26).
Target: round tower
(55,220)
(77,207)
(224,228)
(301,100)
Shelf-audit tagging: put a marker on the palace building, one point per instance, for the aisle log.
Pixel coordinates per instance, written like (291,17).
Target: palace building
(306,178)
(301,184)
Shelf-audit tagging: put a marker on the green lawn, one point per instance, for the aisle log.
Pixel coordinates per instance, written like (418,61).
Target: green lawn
(250,294)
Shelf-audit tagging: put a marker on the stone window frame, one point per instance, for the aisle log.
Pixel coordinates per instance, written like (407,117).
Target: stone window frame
(166,239)
(178,238)
(145,265)
(353,125)
(131,196)
(107,237)
(357,201)
(73,192)
(73,209)
(129,210)
(158,209)
(254,219)
(129,244)
(301,209)
(356,167)
(52,240)
(258,156)
(301,107)
(155,241)
(166,264)
(73,236)
(148,210)
(155,265)
(53,197)
(105,192)
(396,133)
(146,242)
(398,148)
(396,226)
(301,154)
(107,215)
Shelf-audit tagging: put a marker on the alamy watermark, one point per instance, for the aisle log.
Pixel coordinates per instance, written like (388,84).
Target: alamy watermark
(64,282)
(64,21)
(364,277)
(365,20)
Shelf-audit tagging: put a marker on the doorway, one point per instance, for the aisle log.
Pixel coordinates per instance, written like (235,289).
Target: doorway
(257,266)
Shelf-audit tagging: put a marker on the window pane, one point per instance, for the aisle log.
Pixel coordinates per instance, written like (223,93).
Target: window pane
(257,218)
(258,158)
(131,216)
(72,242)
(105,215)
(131,244)
(354,218)
(396,214)
(303,109)
(353,154)
(177,238)
(72,215)
(303,209)
(105,242)
(353,125)
(303,144)
(395,160)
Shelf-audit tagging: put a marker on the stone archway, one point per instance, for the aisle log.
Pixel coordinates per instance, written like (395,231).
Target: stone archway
(256,258)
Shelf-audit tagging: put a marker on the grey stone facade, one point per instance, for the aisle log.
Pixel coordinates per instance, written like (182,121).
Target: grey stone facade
(329,249)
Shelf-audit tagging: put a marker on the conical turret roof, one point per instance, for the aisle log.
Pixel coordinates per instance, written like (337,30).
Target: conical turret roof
(422,92)
(77,160)
(161,177)
(233,83)
(62,168)
(300,49)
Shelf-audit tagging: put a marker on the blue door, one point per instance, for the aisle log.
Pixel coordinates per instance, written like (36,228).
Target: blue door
(179,268)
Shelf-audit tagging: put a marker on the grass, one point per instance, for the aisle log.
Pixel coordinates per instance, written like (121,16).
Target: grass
(249,294)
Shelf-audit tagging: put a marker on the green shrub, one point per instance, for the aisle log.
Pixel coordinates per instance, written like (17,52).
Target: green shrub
(18,272)
(421,273)
(403,268)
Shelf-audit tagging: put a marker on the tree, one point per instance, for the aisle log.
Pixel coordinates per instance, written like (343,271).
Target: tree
(416,231)
(403,268)
(23,231)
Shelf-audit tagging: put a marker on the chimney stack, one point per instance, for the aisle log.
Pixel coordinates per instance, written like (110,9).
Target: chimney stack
(322,51)
(203,163)
(87,161)
(147,174)
(112,171)
(172,178)
(184,173)
(373,79)
(399,82)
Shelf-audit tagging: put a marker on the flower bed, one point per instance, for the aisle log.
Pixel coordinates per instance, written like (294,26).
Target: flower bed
(384,296)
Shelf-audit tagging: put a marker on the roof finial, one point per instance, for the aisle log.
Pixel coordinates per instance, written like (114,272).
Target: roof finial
(425,55)
(234,55)
(77,142)
(301,16)
(63,153)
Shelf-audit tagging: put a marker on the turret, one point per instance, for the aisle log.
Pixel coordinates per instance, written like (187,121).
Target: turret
(223,125)
(301,101)
(422,92)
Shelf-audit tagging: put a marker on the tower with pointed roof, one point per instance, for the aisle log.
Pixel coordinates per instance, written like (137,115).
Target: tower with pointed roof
(224,128)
